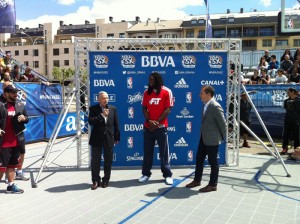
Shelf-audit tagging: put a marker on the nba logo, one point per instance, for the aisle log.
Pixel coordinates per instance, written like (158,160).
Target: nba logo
(130,112)
(190,156)
(130,142)
(129,82)
(188,126)
(189,97)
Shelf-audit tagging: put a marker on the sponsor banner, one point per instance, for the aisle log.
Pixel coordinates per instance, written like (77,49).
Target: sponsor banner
(35,129)
(124,76)
(39,99)
(7,16)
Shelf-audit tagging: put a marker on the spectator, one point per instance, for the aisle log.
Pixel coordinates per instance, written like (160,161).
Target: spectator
(265,79)
(286,64)
(11,141)
(267,56)
(291,120)
(294,77)
(286,52)
(297,54)
(6,60)
(273,66)
(262,64)
(254,78)
(23,78)
(15,73)
(245,117)
(280,78)
(6,77)
(28,75)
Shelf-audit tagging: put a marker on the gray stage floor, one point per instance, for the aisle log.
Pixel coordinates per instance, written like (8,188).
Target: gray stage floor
(257,191)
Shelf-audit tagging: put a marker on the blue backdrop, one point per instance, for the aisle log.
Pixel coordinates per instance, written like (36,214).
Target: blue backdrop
(124,76)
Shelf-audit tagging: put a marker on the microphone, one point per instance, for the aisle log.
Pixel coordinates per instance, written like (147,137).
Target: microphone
(106,106)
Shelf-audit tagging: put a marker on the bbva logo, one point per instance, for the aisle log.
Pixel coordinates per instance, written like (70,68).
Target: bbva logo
(155,61)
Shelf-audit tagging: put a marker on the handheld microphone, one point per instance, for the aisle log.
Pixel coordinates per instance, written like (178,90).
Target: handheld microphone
(106,106)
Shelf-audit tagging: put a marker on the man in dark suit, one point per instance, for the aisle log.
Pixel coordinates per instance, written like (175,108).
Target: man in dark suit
(105,133)
(245,117)
(213,131)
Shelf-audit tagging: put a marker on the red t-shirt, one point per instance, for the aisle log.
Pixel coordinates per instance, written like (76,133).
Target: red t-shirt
(9,138)
(157,103)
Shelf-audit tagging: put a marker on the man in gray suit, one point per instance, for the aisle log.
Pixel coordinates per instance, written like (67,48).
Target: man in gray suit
(213,131)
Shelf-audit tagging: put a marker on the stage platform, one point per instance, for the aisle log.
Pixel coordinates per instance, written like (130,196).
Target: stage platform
(257,192)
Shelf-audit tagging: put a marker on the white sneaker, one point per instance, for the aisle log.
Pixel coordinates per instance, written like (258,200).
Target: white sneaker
(21,176)
(144,179)
(169,181)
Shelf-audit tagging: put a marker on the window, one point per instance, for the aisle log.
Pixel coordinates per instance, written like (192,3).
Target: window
(121,35)
(36,64)
(16,53)
(231,19)
(66,50)
(219,33)
(56,63)
(97,28)
(110,35)
(35,52)
(266,31)
(147,36)
(174,35)
(250,32)
(201,34)
(26,63)
(297,43)
(282,42)
(25,52)
(190,33)
(233,33)
(223,20)
(201,21)
(64,41)
(56,51)
(246,44)
(194,21)
(267,43)
(140,36)
(66,62)
(167,36)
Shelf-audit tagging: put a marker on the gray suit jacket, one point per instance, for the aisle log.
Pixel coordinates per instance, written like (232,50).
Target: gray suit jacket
(213,128)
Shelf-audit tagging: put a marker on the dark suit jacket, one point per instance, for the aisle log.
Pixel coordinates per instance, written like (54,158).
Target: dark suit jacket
(102,131)
(213,128)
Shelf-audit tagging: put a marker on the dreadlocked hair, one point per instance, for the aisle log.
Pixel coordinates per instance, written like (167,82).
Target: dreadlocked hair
(158,83)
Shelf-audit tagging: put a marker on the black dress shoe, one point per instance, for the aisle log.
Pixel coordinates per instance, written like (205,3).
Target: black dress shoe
(104,184)
(208,188)
(193,184)
(94,186)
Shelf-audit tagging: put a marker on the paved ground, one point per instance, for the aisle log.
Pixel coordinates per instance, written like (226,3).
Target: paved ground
(257,191)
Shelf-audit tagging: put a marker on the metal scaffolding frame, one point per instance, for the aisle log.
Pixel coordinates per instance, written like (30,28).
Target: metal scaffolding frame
(84,45)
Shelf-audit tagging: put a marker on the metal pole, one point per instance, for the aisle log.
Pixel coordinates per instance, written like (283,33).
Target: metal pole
(266,131)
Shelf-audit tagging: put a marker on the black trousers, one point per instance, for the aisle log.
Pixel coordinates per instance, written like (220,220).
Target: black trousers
(290,127)
(96,162)
(161,136)
(212,154)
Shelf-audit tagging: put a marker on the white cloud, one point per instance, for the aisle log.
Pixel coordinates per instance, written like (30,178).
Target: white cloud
(266,3)
(119,10)
(65,2)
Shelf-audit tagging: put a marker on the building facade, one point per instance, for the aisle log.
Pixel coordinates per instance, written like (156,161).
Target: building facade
(43,47)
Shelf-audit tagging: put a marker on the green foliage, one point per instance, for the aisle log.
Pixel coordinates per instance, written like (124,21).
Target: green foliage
(63,74)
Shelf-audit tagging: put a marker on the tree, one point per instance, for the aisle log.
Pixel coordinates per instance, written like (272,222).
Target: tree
(63,74)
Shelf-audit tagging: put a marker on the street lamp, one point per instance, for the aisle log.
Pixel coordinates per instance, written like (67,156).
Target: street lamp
(33,53)
(28,36)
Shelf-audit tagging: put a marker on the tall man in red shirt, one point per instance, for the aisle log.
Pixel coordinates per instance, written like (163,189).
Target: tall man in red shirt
(12,115)
(157,103)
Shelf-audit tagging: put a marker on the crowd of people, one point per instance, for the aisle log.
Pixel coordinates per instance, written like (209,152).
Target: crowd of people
(270,70)
(12,72)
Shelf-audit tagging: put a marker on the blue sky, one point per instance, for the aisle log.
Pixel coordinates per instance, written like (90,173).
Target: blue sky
(32,12)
